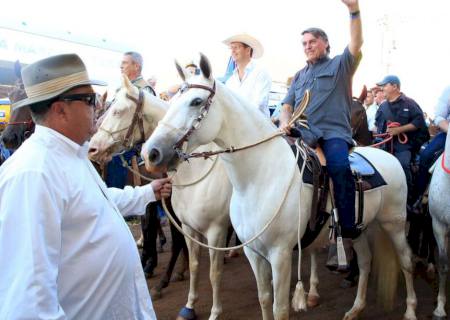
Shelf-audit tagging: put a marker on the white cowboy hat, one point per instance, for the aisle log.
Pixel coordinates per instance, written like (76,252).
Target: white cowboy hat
(48,78)
(252,42)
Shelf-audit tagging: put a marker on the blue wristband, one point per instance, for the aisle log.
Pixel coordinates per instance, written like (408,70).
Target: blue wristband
(354,15)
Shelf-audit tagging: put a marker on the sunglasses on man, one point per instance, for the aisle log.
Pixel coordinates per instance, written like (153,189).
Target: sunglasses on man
(89,98)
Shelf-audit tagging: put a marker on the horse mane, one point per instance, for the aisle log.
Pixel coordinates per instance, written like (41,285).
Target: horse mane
(238,101)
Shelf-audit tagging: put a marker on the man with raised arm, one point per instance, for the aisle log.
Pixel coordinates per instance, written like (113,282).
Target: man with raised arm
(329,81)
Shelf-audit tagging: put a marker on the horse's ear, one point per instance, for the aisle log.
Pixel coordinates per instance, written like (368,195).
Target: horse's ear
(363,94)
(205,67)
(18,69)
(180,71)
(126,83)
(104,96)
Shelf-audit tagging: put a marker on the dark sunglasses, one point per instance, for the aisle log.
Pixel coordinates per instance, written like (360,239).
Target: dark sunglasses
(89,98)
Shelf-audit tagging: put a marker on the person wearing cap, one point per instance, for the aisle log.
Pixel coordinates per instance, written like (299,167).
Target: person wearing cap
(328,112)
(65,249)
(249,80)
(407,116)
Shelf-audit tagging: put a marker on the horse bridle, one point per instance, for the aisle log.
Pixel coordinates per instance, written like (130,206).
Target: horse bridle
(197,121)
(138,119)
(29,126)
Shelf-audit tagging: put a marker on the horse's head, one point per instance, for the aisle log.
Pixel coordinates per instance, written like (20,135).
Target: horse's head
(193,119)
(20,124)
(129,120)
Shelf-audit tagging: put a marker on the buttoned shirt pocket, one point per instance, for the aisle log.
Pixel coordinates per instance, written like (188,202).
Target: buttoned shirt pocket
(403,117)
(325,81)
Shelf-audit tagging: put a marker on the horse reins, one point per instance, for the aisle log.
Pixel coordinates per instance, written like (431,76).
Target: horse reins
(296,118)
(138,119)
(387,137)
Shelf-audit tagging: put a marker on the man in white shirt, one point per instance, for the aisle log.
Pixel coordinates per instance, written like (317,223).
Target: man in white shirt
(371,109)
(65,249)
(248,79)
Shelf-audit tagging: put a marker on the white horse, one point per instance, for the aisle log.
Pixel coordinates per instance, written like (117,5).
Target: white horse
(266,181)
(201,191)
(439,204)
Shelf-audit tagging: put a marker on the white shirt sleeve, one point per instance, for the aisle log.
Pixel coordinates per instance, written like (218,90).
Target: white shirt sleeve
(31,217)
(132,201)
(442,109)
(263,85)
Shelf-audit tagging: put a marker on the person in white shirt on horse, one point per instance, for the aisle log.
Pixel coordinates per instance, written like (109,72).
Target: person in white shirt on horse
(249,80)
(65,249)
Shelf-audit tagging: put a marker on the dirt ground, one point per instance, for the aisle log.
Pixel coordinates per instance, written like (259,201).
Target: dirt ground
(240,301)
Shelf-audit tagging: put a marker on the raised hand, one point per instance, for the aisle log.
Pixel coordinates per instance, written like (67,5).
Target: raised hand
(353,5)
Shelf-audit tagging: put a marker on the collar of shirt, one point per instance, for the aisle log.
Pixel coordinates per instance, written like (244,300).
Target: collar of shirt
(51,137)
(319,61)
(137,79)
(248,68)
(401,97)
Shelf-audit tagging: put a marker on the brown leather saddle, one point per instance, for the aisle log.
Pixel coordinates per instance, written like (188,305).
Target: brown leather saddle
(366,178)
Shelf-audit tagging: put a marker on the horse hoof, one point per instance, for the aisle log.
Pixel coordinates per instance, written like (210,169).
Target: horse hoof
(155,294)
(178,277)
(187,314)
(439,317)
(312,301)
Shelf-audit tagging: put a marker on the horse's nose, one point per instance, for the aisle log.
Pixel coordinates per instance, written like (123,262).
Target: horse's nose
(155,156)
(9,141)
(92,151)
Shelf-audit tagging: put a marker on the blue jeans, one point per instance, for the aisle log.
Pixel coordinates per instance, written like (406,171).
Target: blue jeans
(427,157)
(116,174)
(338,167)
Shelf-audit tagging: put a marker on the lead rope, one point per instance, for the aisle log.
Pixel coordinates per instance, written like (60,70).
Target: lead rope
(298,300)
(172,220)
(126,165)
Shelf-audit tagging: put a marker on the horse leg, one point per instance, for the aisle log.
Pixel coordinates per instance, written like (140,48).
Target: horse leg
(362,249)
(216,238)
(188,311)
(178,244)
(398,237)
(313,294)
(441,235)
(263,274)
(281,271)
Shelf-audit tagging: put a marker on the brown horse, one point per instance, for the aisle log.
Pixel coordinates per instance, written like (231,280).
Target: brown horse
(20,125)
(358,118)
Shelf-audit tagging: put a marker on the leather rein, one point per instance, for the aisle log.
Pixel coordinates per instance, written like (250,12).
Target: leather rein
(138,119)
(297,117)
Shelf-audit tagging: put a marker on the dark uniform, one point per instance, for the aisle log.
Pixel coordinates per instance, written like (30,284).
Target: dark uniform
(403,110)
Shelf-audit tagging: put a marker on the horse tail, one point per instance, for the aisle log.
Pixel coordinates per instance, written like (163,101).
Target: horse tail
(386,268)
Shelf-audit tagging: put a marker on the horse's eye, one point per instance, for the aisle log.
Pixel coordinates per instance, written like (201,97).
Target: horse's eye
(196,102)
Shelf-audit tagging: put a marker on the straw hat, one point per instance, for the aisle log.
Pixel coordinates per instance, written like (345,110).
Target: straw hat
(252,42)
(48,78)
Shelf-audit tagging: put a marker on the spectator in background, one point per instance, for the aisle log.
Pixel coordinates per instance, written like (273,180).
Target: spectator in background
(371,110)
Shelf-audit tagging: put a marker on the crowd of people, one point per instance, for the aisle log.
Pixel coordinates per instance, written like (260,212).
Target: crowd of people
(73,255)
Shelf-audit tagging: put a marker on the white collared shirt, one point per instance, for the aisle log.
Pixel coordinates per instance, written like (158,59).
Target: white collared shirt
(254,86)
(371,112)
(65,249)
